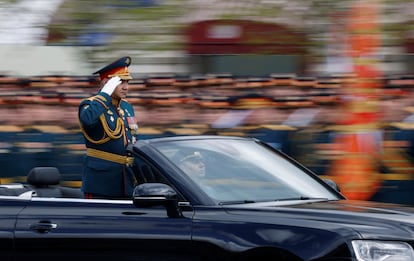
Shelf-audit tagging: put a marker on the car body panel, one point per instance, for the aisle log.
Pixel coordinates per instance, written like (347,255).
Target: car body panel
(101,231)
(310,230)
(9,210)
(256,203)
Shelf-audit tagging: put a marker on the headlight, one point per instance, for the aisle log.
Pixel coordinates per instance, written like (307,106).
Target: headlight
(369,250)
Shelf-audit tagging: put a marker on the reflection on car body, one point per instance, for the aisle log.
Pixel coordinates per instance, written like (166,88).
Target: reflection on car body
(252,203)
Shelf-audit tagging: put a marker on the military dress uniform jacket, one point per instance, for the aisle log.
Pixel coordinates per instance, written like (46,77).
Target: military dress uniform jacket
(107,130)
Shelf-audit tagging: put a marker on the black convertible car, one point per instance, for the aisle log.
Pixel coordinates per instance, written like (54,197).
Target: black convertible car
(202,198)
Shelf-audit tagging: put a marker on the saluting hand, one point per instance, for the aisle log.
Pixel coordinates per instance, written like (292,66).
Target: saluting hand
(111,85)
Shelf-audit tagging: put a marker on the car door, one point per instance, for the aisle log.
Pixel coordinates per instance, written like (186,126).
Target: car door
(82,229)
(9,209)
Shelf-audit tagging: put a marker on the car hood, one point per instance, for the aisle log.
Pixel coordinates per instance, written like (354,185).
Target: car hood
(366,218)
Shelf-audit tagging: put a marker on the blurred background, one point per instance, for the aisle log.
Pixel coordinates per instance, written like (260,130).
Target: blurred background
(330,83)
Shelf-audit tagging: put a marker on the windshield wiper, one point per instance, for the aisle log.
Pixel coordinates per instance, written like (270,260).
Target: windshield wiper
(236,202)
(283,199)
(300,198)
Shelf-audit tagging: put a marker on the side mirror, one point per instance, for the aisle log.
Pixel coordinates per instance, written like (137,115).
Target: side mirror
(332,184)
(157,194)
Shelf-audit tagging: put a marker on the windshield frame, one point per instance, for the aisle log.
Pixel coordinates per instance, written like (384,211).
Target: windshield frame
(247,170)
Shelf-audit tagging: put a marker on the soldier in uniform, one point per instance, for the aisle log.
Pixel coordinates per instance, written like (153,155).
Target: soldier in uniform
(108,124)
(193,165)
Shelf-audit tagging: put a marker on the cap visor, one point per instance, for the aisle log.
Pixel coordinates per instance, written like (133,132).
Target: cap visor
(125,77)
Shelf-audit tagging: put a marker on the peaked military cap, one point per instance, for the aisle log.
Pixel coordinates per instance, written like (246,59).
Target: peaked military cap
(116,68)
(193,156)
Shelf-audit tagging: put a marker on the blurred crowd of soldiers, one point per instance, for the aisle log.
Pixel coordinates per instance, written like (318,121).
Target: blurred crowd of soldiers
(272,108)
(167,101)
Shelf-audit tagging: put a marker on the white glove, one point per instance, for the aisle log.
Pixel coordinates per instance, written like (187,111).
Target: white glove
(111,85)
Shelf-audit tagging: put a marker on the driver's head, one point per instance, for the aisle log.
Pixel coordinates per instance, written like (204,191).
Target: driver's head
(193,164)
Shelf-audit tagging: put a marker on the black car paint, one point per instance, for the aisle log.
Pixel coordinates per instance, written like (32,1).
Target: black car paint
(101,231)
(312,230)
(79,229)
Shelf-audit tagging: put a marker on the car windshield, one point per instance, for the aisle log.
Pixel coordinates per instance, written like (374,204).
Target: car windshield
(235,170)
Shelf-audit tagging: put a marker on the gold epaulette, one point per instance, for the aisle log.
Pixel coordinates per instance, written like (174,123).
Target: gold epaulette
(99,98)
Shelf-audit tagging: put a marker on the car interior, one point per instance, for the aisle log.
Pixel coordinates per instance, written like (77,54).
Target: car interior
(42,182)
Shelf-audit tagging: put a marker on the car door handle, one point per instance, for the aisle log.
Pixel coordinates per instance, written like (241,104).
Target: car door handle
(43,226)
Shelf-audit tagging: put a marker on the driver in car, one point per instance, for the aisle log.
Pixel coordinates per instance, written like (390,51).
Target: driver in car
(193,165)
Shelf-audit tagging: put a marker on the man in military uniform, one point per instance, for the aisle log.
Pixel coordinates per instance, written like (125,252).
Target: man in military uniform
(193,165)
(108,125)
